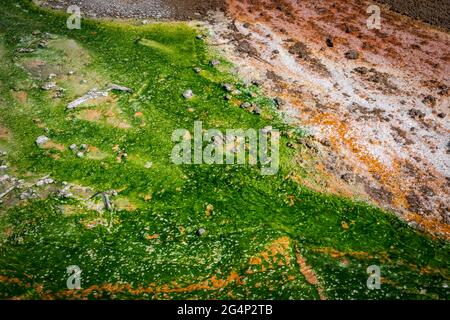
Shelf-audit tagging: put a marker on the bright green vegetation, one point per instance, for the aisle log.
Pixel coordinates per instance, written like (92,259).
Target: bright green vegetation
(258,229)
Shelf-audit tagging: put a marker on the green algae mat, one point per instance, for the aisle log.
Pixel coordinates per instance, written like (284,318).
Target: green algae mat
(174,231)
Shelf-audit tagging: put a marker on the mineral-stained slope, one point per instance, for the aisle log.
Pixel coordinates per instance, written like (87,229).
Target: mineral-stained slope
(375,100)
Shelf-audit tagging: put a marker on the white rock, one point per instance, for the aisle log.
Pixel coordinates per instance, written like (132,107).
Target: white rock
(148,165)
(48,85)
(42,140)
(188,94)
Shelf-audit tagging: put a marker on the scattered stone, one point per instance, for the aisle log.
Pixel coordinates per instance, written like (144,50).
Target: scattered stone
(4,177)
(199,37)
(51,76)
(329,43)
(44,181)
(197,70)
(30,193)
(148,165)
(256,83)
(118,88)
(228,97)
(201,232)
(59,92)
(106,201)
(347,177)
(3,153)
(415,113)
(83,146)
(73,147)
(290,145)
(48,86)
(64,192)
(36,32)
(275,52)
(246,25)
(92,94)
(257,110)
(278,102)
(429,101)
(25,50)
(228,87)
(71,73)
(3,167)
(188,94)
(80,154)
(42,140)
(443,90)
(245,105)
(352,55)
(300,49)
(441,115)
(215,63)
(236,92)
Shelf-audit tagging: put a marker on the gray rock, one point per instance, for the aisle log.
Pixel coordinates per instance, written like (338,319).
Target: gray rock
(256,110)
(245,105)
(228,87)
(256,83)
(48,86)
(329,42)
(200,232)
(73,147)
(278,102)
(119,88)
(188,94)
(352,55)
(215,63)
(25,50)
(42,140)
(44,182)
(197,70)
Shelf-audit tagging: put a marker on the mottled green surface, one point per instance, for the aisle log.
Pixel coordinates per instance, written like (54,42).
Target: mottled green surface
(337,237)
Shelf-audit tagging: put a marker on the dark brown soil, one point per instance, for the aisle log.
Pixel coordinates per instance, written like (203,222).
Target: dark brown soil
(436,12)
(141,9)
